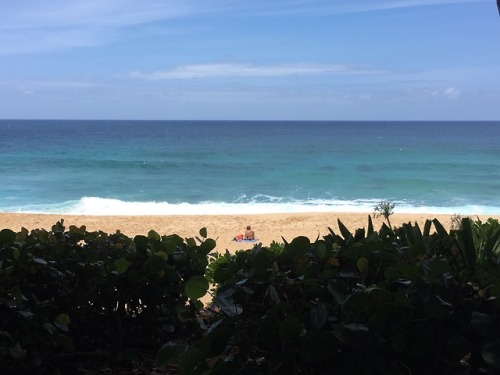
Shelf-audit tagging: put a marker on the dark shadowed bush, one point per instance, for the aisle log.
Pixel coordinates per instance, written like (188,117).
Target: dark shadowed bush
(393,301)
(69,296)
(405,300)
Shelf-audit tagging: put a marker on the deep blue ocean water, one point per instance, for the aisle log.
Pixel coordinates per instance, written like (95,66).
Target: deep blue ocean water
(217,167)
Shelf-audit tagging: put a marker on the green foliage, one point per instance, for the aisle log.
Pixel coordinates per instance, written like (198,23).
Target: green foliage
(69,295)
(395,301)
(405,300)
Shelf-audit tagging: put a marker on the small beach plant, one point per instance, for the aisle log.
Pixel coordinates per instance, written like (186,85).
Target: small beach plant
(456,222)
(385,209)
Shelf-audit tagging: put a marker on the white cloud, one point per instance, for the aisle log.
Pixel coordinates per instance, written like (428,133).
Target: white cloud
(35,26)
(328,7)
(109,13)
(249,70)
(451,93)
(32,87)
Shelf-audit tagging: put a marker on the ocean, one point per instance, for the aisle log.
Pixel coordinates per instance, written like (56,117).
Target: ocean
(246,167)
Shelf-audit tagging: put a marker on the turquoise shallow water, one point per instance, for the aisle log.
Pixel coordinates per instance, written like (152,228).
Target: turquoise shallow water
(177,167)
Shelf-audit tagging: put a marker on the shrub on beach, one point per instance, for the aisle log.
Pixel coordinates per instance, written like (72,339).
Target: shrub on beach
(393,301)
(405,300)
(69,297)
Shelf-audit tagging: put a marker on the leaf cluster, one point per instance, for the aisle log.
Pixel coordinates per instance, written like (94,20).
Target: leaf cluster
(71,296)
(405,300)
(394,301)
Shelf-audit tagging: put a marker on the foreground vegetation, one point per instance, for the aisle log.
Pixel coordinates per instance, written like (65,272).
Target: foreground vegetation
(405,300)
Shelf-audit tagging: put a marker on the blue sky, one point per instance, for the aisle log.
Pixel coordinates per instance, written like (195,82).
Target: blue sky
(255,60)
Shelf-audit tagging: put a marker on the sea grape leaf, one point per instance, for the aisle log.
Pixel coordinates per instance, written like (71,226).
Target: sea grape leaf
(299,245)
(491,354)
(196,287)
(357,306)
(439,267)
(379,296)
(356,336)
(61,321)
(273,293)
(40,261)
(384,316)
(290,329)
(207,246)
(392,273)
(190,362)
(481,323)
(321,250)
(320,347)
(121,265)
(338,290)
(203,232)
(362,264)
(17,352)
(172,242)
(319,316)
(153,235)
(225,300)
(408,271)
(156,263)
(141,243)
(65,342)
(435,306)
(170,352)
(494,290)
(7,237)
(191,242)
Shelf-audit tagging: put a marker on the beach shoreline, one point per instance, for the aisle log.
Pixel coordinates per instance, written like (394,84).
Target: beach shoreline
(223,228)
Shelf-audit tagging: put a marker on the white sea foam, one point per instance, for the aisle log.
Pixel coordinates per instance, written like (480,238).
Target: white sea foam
(105,206)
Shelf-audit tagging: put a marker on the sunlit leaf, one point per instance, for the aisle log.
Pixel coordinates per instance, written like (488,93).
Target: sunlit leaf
(196,287)
(61,321)
(153,235)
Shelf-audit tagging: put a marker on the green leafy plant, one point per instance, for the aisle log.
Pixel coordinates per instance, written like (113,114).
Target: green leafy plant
(67,296)
(363,302)
(385,209)
(456,221)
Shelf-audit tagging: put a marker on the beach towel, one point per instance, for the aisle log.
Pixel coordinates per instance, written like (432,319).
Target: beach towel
(239,238)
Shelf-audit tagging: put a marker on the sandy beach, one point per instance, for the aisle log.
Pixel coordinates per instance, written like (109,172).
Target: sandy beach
(222,228)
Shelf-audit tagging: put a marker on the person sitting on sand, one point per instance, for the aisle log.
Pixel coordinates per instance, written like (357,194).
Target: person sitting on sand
(249,233)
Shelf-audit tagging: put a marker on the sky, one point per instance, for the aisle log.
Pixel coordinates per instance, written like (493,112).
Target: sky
(250,60)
